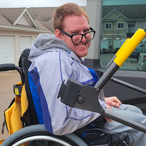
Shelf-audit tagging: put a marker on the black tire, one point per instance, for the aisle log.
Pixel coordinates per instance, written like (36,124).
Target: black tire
(36,132)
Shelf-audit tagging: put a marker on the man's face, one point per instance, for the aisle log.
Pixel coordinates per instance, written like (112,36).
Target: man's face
(74,24)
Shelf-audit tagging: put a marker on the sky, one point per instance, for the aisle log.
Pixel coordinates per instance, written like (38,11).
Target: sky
(38,3)
(55,3)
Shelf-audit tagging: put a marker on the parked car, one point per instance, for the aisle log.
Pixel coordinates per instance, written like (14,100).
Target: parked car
(141,64)
(136,52)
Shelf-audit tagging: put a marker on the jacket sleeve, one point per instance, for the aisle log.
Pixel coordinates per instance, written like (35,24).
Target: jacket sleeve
(59,118)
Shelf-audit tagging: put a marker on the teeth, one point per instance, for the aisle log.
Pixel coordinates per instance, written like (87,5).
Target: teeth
(81,45)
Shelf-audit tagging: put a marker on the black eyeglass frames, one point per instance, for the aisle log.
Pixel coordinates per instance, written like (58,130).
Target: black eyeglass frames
(77,38)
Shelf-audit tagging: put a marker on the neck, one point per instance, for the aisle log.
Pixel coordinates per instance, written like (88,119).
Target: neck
(81,60)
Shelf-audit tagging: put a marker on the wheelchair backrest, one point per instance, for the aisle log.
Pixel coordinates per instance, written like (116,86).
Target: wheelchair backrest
(24,63)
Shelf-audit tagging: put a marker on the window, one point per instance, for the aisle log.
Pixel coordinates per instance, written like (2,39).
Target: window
(120,25)
(108,26)
(131,27)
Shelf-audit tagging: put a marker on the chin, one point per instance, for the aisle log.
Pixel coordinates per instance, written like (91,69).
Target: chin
(83,54)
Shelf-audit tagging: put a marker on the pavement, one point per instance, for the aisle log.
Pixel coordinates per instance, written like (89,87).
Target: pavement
(7,80)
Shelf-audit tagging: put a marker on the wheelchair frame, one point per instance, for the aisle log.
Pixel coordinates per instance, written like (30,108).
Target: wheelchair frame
(38,131)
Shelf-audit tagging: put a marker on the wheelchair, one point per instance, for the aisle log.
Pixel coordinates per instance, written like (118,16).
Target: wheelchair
(35,134)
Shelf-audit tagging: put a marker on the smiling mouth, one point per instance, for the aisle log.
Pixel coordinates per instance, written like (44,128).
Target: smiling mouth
(81,45)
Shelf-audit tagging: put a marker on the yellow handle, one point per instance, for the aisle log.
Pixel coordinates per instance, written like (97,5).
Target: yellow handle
(122,46)
(129,47)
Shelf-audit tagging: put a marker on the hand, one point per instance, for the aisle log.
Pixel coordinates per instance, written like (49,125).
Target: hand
(107,119)
(113,101)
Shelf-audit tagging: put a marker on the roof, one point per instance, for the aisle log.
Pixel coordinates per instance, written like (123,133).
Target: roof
(48,25)
(42,13)
(11,14)
(4,21)
(22,18)
(129,11)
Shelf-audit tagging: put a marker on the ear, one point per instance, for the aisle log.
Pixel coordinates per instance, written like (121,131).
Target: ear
(58,34)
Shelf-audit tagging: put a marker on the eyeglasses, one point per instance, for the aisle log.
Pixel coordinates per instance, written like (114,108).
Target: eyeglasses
(77,38)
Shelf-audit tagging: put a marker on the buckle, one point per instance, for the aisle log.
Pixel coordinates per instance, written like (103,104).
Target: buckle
(17,90)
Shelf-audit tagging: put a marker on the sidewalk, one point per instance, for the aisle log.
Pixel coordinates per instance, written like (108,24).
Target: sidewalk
(7,80)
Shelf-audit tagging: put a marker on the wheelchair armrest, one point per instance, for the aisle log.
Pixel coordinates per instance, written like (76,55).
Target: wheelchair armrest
(11,66)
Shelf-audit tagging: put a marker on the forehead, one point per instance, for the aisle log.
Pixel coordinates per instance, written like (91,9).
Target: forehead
(72,22)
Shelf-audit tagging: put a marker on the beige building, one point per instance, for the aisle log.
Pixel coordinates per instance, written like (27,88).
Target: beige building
(19,27)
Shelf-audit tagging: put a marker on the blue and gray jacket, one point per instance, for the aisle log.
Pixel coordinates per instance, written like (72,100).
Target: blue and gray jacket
(52,63)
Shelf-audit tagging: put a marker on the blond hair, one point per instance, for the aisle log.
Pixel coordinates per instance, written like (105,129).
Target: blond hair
(67,9)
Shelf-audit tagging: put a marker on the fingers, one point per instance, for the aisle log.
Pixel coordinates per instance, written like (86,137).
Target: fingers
(108,107)
(108,120)
(115,104)
(113,101)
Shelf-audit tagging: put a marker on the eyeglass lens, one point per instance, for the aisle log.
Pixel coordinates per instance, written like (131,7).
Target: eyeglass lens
(78,37)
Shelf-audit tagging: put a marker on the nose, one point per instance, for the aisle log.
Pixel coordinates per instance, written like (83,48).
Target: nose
(84,39)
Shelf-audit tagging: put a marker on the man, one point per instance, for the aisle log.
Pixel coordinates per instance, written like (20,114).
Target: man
(57,58)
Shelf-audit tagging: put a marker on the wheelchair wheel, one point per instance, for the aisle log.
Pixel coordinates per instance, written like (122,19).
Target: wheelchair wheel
(33,135)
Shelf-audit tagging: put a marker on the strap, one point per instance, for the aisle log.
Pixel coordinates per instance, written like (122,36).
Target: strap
(4,123)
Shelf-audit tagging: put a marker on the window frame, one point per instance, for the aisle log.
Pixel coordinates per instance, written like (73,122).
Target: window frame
(108,24)
(121,23)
